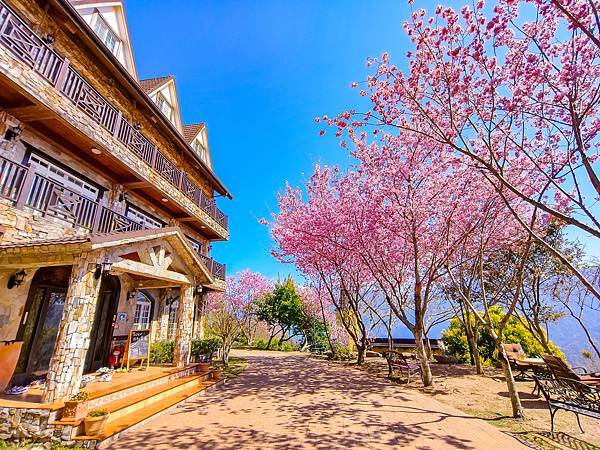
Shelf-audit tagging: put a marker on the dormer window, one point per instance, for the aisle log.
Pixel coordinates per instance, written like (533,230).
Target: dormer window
(107,35)
(200,149)
(164,106)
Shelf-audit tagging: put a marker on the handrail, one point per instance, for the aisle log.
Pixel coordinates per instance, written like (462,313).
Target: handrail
(22,41)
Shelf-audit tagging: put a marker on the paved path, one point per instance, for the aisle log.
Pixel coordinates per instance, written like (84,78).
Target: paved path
(288,401)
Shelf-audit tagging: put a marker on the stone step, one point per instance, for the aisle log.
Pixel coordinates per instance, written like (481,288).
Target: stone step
(159,405)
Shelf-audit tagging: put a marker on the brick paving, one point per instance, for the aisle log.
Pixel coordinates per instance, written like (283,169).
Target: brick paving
(288,401)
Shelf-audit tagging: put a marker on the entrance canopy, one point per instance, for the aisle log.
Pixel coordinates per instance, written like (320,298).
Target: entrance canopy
(154,258)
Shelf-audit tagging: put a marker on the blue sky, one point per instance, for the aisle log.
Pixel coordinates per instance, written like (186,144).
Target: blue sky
(258,73)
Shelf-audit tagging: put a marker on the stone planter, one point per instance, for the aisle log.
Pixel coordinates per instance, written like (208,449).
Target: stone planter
(217,373)
(204,367)
(75,410)
(95,425)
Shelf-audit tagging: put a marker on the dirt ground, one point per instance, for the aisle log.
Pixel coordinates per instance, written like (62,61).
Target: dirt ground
(487,397)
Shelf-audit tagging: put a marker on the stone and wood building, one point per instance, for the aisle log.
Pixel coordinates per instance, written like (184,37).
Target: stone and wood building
(107,218)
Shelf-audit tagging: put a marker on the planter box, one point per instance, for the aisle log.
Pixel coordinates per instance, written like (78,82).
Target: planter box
(95,425)
(75,410)
(217,374)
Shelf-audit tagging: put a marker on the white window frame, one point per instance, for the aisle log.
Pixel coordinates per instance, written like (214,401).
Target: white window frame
(162,100)
(141,217)
(143,309)
(200,149)
(106,31)
(63,177)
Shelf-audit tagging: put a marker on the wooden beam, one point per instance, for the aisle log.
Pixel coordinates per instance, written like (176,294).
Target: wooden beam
(31,113)
(154,284)
(136,185)
(137,268)
(186,219)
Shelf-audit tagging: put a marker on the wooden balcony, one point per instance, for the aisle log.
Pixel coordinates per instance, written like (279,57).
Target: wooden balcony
(29,48)
(23,186)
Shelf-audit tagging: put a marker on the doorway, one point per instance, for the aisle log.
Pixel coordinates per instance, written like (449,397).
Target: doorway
(104,319)
(40,323)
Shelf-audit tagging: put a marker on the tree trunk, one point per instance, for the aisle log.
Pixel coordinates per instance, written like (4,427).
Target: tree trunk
(513,393)
(426,376)
(361,349)
(271,338)
(427,347)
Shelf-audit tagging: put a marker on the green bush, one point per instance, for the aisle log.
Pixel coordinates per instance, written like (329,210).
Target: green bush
(261,344)
(161,352)
(342,353)
(288,346)
(206,347)
(455,339)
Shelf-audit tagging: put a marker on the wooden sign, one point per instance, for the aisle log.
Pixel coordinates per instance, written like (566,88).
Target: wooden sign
(138,348)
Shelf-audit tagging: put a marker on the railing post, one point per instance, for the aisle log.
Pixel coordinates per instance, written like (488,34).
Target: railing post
(25,188)
(97,217)
(153,157)
(62,74)
(118,122)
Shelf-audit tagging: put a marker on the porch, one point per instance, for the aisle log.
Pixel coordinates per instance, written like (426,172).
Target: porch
(131,399)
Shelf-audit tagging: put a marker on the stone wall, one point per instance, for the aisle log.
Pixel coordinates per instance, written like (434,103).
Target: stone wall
(31,425)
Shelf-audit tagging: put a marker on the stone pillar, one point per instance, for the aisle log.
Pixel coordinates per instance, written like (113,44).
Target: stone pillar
(73,339)
(200,317)
(185,325)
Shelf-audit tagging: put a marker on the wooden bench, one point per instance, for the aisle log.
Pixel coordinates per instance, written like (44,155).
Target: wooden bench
(570,395)
(397,360)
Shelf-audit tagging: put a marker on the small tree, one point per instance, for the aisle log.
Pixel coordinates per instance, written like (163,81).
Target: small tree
(281,309)
(222,322)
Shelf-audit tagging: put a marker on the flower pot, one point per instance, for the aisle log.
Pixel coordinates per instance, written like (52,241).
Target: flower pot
(94,425)
(217,373)
(75,410)
(204,367)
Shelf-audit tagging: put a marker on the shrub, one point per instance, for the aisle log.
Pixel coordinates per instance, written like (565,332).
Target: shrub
(81,396)
(288,346)
(261,344)
(455,339)
(342,353)
(161,352)
(98,413)
(206,346)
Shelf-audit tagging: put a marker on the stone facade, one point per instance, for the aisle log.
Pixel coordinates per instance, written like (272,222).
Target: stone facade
(185,327)
(73,341)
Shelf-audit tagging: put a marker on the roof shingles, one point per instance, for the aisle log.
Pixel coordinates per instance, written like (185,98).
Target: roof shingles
(151,84)
(191,131)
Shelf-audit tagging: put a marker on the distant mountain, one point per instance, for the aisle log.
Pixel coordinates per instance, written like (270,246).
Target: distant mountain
(568,335)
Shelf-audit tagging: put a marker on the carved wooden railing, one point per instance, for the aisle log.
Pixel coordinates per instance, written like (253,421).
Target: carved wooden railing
(12,176)
(26,45)
(216,268)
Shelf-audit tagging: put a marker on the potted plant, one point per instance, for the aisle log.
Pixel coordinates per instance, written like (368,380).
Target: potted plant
(217,372)
(94,422)
(76,406)
(203,351)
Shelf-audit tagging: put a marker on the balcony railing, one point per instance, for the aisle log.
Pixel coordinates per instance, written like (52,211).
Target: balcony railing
(24,43)
(24,186)
(216,268)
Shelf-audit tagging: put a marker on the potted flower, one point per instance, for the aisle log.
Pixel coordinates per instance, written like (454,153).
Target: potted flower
(203,351)
(94,422)
(76,406)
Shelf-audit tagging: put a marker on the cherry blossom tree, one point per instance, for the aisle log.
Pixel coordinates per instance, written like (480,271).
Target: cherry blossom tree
(514,94)
(243,291)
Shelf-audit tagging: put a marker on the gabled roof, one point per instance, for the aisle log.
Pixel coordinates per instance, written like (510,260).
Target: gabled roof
(191,131)
(151,84)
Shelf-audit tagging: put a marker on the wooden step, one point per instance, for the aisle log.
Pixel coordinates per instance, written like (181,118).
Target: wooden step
(123,423)
(132,402)
(101,395)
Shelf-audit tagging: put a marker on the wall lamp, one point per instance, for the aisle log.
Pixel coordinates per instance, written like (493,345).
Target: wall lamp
(131,295)
(16,279)
(198,290)
(102,269)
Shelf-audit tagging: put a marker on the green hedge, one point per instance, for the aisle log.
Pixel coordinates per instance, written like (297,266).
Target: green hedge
(161,352)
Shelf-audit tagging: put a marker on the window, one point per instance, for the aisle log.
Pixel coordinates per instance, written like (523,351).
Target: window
(143,307)
(173,308)
(107,35)
(143,218)
(164,105)
(194,244)
(63,178)
(200,149)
